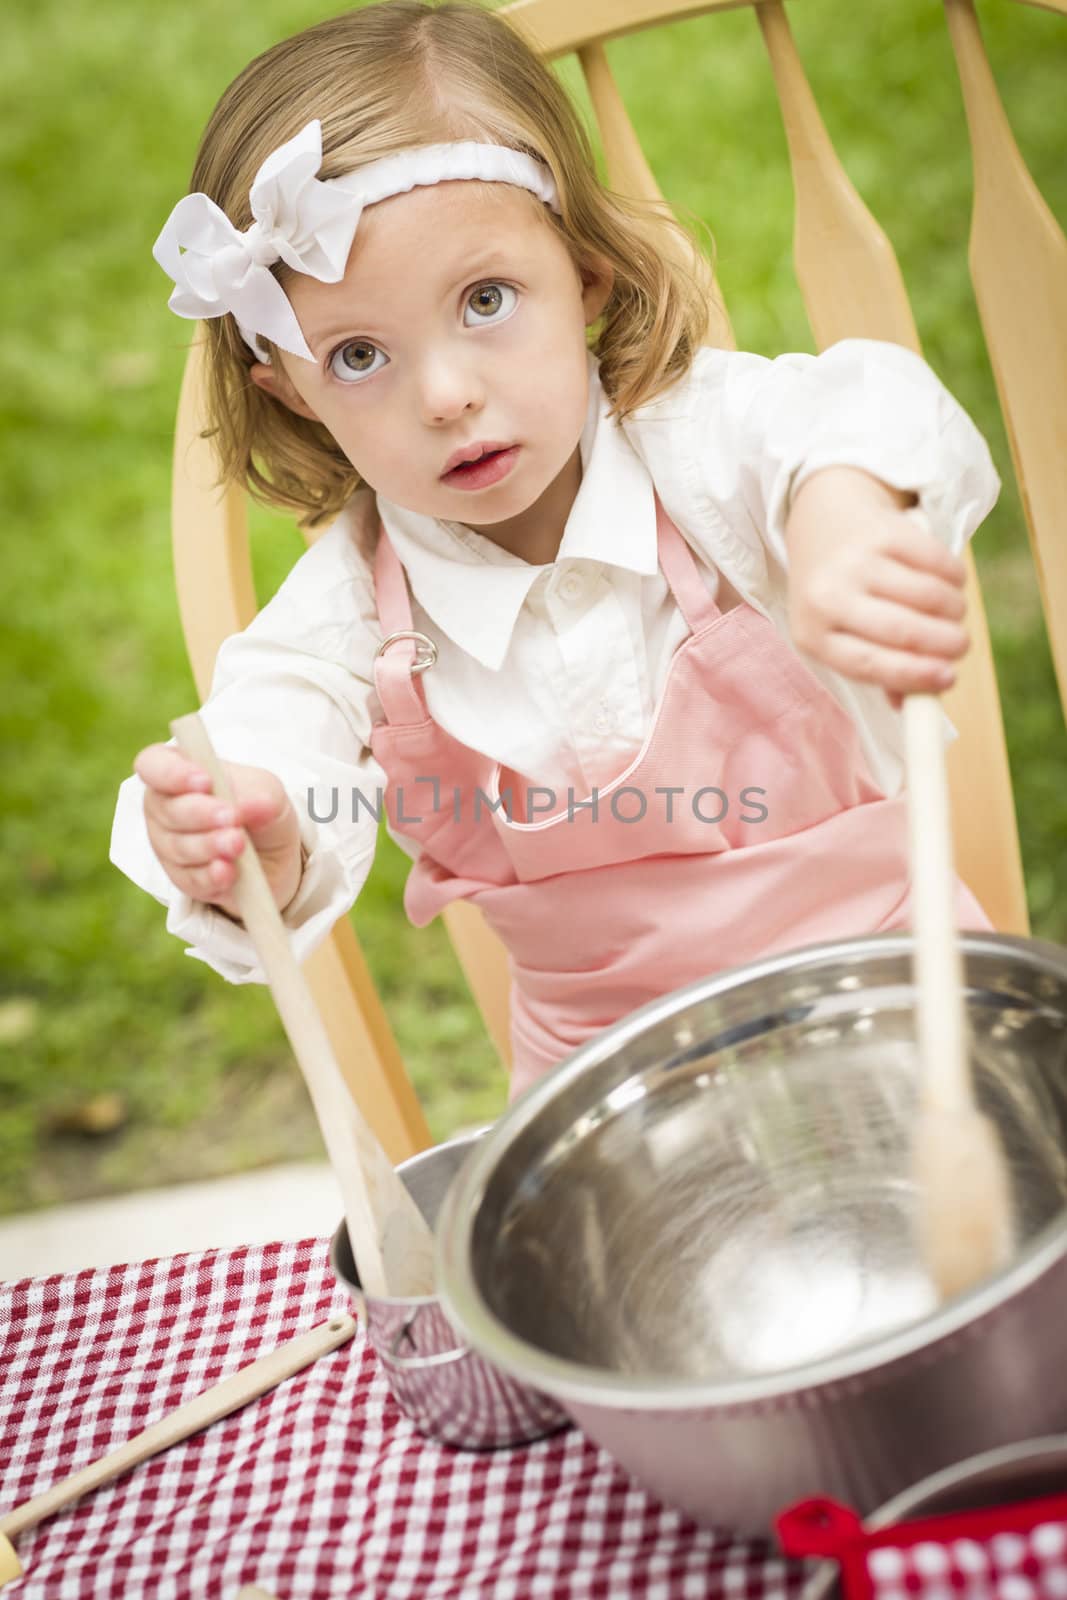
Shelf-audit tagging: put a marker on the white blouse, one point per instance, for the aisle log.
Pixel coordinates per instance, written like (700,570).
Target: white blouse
(554,671)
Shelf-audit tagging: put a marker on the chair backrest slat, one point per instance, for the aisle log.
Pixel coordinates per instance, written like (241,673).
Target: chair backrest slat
(629,172)
(1018,258)
(212,558)
(846,269)
(555,27)
(852,287)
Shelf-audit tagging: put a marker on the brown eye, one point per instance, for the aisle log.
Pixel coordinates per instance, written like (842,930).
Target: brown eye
(490,302)
(356,359)
(487,299)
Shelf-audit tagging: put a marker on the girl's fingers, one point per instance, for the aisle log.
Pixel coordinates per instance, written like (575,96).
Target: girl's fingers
(260,809)
(167,771)
(900,628)
(189,813)
(179,794)
(202,849)
(197,835)
(898,671)
(919,590)
(207,883)
(919,548)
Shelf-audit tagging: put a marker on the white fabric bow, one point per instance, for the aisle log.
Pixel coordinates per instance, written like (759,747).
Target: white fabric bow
(307,223)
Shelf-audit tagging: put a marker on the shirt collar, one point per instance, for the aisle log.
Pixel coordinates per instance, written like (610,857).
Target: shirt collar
(474,591)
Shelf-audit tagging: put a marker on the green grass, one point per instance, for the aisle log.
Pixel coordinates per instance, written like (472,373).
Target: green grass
(105,106)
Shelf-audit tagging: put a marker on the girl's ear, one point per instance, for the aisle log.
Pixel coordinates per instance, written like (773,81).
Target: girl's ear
(598,280)
(275,381)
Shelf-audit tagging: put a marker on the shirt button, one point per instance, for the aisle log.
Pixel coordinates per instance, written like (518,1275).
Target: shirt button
(572,587)
(604,721)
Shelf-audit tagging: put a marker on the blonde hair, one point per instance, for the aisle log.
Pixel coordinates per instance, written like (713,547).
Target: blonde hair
(405,73)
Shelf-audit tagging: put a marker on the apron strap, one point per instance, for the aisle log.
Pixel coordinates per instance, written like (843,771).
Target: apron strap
(680,569)
(403,654)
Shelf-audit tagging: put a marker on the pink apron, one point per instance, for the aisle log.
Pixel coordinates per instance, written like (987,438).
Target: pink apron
(747,824)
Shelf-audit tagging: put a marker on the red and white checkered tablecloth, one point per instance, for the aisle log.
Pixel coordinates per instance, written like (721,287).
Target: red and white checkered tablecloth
(320,1489)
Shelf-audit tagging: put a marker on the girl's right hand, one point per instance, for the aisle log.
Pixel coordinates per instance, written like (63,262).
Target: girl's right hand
(198,837)
(872,593)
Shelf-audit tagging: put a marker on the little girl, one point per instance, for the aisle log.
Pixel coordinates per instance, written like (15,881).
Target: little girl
(554,623)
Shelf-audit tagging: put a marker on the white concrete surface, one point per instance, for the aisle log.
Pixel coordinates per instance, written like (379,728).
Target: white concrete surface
(297,1201)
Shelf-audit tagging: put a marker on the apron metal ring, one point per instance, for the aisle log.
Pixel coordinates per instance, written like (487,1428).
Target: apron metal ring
(426,646)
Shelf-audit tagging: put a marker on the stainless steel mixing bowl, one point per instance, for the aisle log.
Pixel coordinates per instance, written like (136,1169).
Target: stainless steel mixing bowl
(697,1233)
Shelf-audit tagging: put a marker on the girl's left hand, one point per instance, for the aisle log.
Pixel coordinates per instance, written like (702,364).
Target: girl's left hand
(873,594)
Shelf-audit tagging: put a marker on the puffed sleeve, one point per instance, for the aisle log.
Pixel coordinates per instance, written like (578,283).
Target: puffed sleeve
(765,426)
(292,693)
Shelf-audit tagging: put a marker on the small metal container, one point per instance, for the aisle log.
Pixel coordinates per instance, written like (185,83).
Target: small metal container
(1025,1471)
(698,1233)
(449,1393)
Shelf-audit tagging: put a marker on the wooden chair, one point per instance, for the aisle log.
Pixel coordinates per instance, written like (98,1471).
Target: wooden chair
(852,287)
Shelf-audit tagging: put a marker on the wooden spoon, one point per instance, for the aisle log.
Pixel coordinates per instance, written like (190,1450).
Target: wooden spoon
(964,1193)
(229,1395)
(391,1242)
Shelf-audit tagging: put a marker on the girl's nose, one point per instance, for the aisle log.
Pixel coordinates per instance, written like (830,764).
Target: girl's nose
(448,388)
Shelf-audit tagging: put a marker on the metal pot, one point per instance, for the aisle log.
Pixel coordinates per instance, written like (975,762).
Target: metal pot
(450,1393)
(697,1233)
(1026,1471)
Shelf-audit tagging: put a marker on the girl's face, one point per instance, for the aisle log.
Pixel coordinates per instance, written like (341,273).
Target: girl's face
(458,328)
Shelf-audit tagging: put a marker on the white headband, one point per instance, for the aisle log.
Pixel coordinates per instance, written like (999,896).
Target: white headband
(309,225)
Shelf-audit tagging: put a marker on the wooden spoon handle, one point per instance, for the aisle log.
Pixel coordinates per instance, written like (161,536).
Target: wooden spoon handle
(945,1079)
(230,1395)
(391,1242)
(938,967)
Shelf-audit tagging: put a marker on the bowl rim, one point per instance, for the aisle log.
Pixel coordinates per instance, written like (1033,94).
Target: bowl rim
(574,1382)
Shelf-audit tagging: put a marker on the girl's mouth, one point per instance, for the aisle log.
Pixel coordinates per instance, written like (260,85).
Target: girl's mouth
(487,470)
